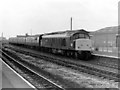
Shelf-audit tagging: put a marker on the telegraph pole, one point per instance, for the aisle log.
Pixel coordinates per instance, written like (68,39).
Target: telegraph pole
(71,23)
(2,36)
(1,40)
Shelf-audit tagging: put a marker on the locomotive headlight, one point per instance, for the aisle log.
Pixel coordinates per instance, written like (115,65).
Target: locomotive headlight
(93,48)
(71,44)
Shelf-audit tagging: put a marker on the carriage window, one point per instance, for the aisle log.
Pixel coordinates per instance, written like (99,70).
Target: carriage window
(117,41)
(36,38)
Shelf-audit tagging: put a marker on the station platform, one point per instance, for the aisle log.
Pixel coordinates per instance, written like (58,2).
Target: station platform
(10,80)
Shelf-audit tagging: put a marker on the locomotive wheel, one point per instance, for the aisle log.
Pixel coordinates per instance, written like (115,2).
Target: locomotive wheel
(72,54)
(68,53)
(87,55)
(76,54)
(79,55)
(84,55)
(65,53)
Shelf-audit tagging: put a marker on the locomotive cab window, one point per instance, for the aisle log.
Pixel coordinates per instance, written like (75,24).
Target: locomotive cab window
(77,36)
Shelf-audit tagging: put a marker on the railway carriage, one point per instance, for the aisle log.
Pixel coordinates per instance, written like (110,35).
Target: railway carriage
(21,40)
(32,40)
(106,42)
(76,43)
(13,40)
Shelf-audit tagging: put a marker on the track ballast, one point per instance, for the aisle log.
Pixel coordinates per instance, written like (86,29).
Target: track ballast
(82,67)
(46,83)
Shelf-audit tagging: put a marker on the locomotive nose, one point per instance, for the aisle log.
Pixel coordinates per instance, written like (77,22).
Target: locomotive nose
(82,44)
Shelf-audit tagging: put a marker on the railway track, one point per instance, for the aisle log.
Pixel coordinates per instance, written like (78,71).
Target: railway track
(105,62)
(46,83)
(82,67)
(97,60)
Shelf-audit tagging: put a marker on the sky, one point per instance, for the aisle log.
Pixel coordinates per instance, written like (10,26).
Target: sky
(18,17)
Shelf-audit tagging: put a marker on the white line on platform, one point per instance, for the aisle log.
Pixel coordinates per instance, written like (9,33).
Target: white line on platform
(20,76)
(39,75)
(107,56)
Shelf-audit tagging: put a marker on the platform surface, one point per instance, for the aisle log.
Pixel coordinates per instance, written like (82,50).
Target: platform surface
(9,79)
(0,74)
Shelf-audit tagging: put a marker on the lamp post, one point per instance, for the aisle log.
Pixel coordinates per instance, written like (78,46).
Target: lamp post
(71,24)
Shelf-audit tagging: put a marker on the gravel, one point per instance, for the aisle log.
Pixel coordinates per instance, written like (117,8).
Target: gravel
(82,79)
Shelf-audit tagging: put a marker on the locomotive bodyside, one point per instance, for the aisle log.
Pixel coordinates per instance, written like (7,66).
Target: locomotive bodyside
(58,41)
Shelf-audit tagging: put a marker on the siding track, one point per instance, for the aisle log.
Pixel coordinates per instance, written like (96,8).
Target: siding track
(48,84)
(96,70)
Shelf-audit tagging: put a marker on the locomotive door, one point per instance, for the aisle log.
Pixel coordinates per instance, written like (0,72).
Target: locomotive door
(40,38)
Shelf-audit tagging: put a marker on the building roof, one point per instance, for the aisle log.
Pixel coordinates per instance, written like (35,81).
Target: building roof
(113,30)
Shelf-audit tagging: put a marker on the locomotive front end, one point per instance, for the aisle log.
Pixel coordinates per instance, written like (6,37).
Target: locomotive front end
(83,48)
(83,45)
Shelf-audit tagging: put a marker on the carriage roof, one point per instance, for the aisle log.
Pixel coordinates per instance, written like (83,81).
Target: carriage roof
(29,35)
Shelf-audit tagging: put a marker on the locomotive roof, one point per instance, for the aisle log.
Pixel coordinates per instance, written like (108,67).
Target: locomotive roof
(67,33)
